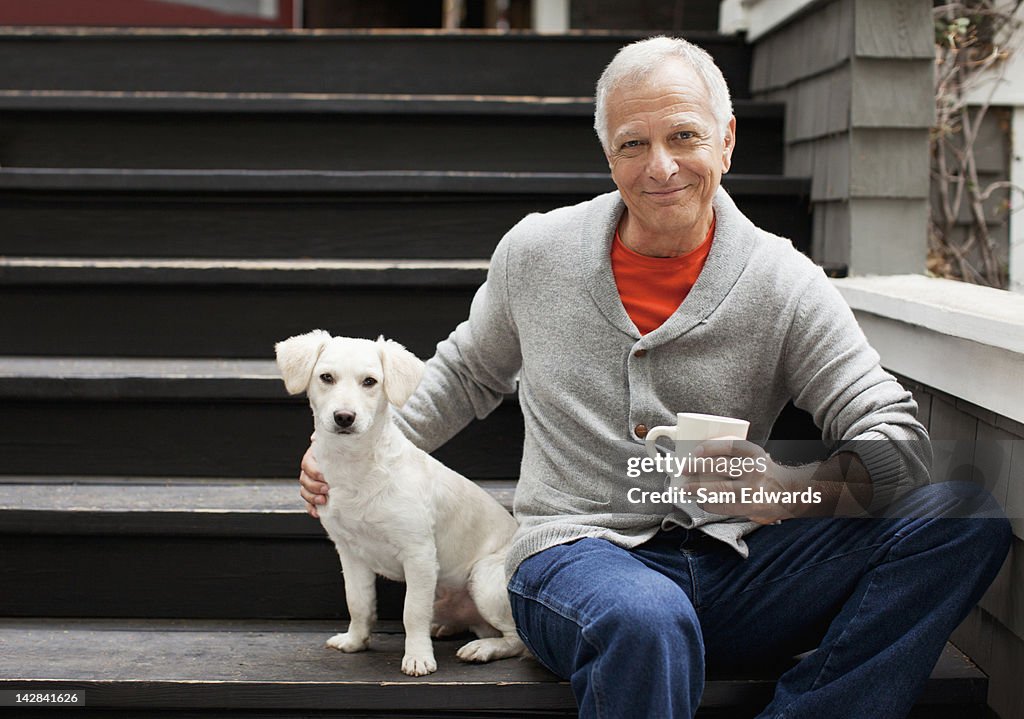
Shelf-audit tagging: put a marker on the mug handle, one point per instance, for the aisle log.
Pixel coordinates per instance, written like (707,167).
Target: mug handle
(653,435)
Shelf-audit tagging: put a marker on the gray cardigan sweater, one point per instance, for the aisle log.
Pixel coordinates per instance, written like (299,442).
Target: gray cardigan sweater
(761,325)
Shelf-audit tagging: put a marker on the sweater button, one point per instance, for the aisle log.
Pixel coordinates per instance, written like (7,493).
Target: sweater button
(640,430)
(640,353)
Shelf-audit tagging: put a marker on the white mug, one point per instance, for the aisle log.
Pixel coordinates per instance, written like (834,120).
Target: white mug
(691,429)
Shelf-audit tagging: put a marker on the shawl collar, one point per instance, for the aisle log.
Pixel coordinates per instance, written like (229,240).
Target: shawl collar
(731,248)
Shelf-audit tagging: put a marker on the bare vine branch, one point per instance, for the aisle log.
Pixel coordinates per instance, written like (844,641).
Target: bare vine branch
(973,41)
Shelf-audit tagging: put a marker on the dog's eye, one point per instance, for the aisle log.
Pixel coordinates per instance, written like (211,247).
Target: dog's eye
(369,382)
(327,378)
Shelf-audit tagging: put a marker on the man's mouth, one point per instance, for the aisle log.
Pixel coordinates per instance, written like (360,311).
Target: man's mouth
(666,193)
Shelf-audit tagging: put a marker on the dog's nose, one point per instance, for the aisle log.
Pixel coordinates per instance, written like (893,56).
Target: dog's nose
(344,419)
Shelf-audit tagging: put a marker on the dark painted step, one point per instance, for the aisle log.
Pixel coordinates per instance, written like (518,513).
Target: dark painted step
(187,418)
(317,132)
(110,213)
(195,308)
(283,669)
(145,547)
(218,418)
(417,62)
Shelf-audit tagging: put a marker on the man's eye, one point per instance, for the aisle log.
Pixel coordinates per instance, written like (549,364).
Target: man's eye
(327,378)
(684,135)
(369,382)
(630,144)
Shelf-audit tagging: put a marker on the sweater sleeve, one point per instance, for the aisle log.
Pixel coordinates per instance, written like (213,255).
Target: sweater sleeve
(834,374)
(472,369)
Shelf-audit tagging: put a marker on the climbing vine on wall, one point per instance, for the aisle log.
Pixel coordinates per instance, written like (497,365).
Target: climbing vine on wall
(973,41)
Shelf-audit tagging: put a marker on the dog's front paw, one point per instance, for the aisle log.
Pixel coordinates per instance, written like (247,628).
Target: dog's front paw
(416,665)
(348,643)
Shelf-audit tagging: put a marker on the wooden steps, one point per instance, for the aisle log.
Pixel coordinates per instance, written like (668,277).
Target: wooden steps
(321,131)
(158,310)
(184,505)
(76,212)
(329,61)
(154,417)
(120,548)
(187,418)
(175,547)
(283,666)
(172,204)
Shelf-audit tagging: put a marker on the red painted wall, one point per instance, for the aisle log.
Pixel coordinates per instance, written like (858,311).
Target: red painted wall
(137,13)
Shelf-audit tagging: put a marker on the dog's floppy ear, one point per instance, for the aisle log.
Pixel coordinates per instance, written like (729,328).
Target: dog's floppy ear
(296,357)
(402,371)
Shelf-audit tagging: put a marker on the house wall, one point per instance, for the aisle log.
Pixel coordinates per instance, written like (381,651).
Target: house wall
(856,77)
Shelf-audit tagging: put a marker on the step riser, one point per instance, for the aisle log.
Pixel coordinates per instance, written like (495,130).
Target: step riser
(248,438)
(269,226)
(329,225)
(486,143)
(178,577)
(334,63)
(218,321)
(207,438)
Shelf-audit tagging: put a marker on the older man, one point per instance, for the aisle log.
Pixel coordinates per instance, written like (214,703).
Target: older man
(617,313)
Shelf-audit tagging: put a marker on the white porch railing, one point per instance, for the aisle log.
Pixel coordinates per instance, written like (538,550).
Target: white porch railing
(963,339)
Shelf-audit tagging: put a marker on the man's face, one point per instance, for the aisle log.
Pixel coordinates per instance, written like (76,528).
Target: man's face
(666,151)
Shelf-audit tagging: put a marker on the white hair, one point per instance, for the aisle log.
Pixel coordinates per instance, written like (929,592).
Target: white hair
(634,62)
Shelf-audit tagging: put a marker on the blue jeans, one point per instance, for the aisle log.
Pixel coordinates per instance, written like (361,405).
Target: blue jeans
(634,630)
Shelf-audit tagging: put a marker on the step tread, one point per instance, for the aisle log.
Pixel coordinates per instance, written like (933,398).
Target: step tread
(44,34)
(180,506)
(138,377)
(354,181)
(312,102)
(251,664)
(323,272)
(103,369)
(259,663)
(327,102)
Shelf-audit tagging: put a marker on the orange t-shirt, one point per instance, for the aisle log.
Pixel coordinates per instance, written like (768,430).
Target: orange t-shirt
(652,288)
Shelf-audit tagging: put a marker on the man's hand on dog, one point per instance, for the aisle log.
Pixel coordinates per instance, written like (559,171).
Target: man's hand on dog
(312,486)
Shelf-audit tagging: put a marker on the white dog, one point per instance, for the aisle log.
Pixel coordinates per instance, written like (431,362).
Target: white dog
(396,511)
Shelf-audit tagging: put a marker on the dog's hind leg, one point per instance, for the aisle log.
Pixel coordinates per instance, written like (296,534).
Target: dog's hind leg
(454,613)
(440,631)
(485,631)
(487,587)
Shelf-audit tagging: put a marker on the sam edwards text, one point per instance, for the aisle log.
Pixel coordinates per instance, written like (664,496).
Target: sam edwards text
(701,495)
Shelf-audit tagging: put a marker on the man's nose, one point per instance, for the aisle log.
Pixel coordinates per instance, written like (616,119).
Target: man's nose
(344,419)
(661,165)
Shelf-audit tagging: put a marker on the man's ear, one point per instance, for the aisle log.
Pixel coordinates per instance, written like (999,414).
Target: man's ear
(728,145)
(402,371)
(296,357)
